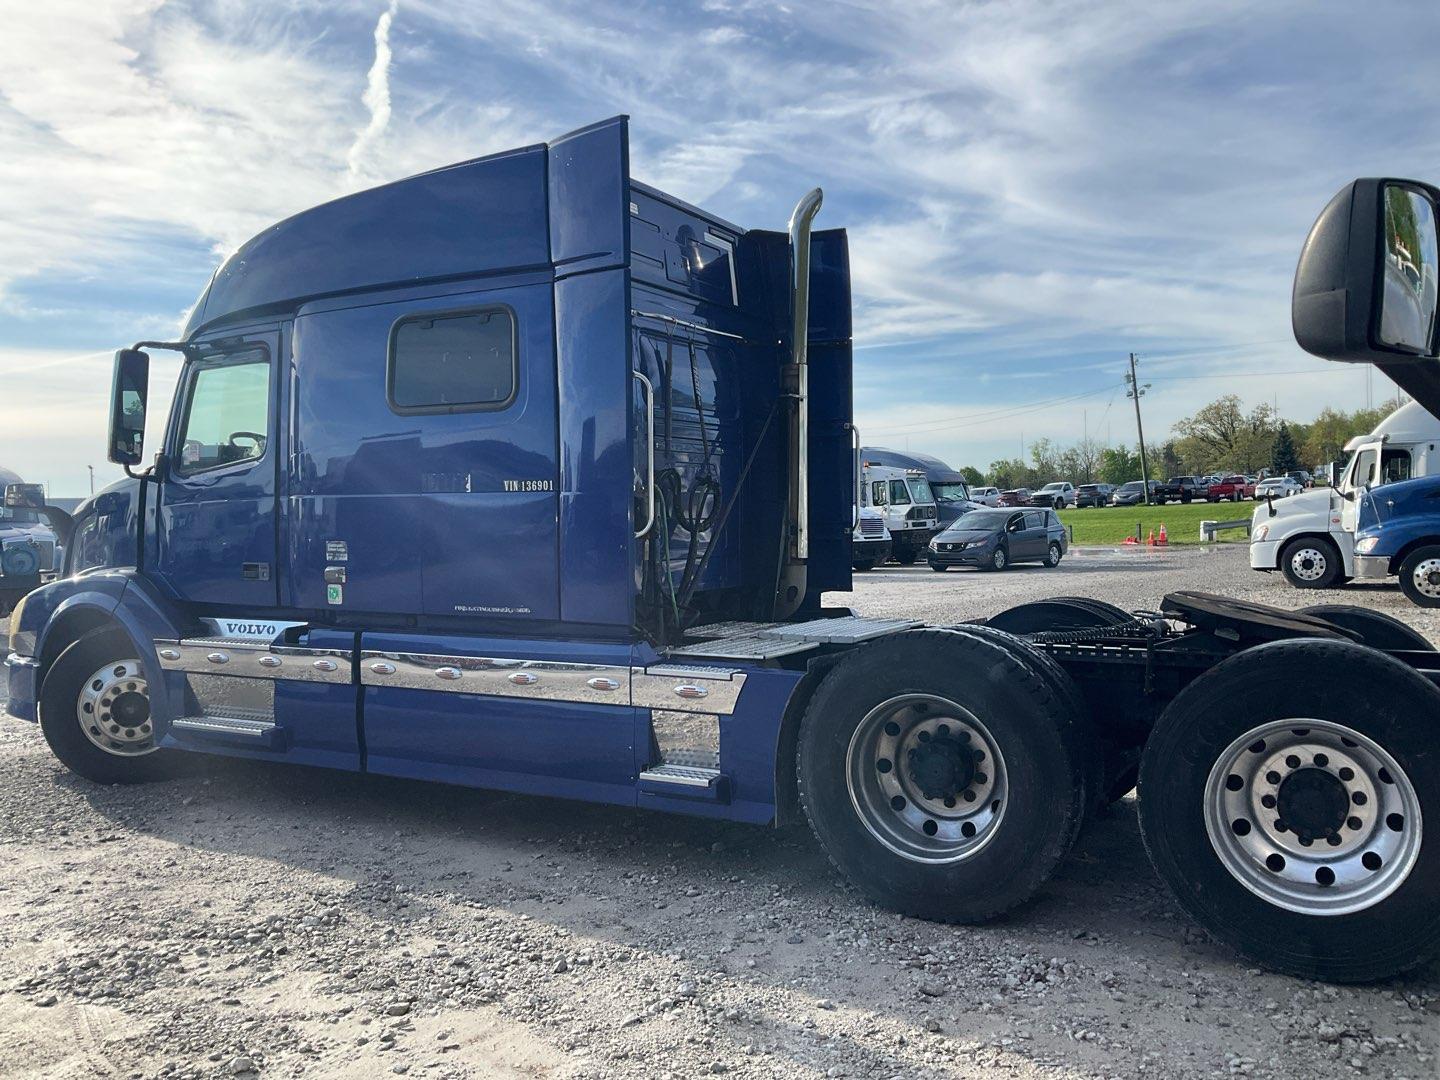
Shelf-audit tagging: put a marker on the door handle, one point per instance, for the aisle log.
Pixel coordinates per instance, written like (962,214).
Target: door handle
(649,391)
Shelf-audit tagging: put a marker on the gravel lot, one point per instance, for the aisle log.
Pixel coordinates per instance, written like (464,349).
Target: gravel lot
(282,921)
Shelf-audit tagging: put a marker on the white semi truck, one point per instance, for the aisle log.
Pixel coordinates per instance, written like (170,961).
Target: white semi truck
(1310,537)
(905,498)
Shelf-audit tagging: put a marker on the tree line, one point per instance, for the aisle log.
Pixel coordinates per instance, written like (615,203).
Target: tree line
(1221,437)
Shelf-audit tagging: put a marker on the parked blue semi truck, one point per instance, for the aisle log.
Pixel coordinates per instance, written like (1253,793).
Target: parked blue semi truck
(522,474)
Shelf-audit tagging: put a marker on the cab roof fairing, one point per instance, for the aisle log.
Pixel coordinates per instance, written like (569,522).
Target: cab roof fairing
(558,206)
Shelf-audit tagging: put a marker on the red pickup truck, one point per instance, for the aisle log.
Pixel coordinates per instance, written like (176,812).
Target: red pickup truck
(1233,488)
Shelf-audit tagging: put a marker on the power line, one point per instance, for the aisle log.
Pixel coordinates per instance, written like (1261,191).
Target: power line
(1004,413)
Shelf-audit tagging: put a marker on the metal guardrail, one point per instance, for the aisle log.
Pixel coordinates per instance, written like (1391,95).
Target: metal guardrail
(1208,529)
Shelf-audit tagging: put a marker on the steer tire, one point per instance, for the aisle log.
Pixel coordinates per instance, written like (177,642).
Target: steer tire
(1037,784)
(1311,562)
(1225,729)
(1413,568)
(60,715)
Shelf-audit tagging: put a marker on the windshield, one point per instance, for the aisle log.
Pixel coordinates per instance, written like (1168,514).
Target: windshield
(1133,485)
(920,489)
(1052,487)
(19,517)
(980,519)
(951,491)
(1361,471)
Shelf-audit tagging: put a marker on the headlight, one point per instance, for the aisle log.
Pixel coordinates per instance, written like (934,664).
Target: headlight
(1367,545)
(1262,532)
(934,545)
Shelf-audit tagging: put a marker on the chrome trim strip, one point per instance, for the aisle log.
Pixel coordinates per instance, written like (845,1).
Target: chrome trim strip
(538,680)
(255,660)
(683,688)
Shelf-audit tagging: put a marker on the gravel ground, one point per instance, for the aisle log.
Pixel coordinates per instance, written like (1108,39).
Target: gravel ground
(286,922)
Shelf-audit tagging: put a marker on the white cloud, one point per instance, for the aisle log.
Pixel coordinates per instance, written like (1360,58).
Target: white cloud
(377,94)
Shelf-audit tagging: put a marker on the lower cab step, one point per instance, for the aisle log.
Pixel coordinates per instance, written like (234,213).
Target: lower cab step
(230,730)
(685,782)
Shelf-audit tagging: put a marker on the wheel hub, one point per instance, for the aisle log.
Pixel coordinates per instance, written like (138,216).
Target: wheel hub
(1308,564)
(941,766)
(1313,803)
(926,778)
(113,710)
(1427,577)
(1312,816)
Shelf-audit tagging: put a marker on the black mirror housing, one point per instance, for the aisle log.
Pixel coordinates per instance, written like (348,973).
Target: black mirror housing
(1340,282)
(128,395)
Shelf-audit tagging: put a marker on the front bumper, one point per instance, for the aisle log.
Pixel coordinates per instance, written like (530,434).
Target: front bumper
(1264,554)
(20,680)
(1372,567)
(971,556)
(865,550)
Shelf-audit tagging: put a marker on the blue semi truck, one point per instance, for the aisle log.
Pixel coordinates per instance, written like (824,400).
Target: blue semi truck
(522,474)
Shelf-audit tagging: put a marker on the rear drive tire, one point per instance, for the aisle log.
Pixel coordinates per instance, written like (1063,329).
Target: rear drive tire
(906,556)
(863,565)
(1376,629)
(1311,562)
(897,736)
(1291,827)
(1053,555)
(938,568)
(95,712)
(1420,576)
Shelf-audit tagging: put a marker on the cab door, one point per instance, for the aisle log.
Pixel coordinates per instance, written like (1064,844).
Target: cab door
(216,513)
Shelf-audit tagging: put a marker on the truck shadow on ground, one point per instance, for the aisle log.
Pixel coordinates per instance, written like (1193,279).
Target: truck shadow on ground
(758,906)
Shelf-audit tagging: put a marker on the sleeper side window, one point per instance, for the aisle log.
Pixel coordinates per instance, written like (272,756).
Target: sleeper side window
(453,362)
(227,417)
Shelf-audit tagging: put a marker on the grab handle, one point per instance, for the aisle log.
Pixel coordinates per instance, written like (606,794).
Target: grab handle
(649,391)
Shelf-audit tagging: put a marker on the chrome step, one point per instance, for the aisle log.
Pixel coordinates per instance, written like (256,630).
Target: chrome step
(236,730)
(683,775)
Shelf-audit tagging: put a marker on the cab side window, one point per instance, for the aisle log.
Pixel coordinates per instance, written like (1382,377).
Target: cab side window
(227,416)
(899,493)
(1394,466)
(452,363)
(879,493)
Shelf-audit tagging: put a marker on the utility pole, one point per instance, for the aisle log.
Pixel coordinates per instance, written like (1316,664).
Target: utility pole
(1134,392)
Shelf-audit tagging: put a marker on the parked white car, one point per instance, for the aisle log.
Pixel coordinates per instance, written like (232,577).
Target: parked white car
(1281,487)
(985,496)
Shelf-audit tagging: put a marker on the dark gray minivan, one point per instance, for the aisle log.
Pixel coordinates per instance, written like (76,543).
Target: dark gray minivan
(992,539)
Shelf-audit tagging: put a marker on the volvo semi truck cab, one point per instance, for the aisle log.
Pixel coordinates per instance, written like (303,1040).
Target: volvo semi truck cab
(522,474)
(1310,537)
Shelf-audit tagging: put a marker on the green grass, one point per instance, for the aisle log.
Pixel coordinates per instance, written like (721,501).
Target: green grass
(1112,524)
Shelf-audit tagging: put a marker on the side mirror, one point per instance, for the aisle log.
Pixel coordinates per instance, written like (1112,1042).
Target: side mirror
(1366,285)
(128,394)
(25,496)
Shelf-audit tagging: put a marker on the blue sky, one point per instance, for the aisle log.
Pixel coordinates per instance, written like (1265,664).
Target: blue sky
(1033,189)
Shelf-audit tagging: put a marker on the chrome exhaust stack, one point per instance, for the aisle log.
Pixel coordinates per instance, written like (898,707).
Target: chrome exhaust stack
(791,587)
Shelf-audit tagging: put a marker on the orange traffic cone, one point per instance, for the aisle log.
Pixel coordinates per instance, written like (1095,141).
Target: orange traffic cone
(1151,541)
(1164,539)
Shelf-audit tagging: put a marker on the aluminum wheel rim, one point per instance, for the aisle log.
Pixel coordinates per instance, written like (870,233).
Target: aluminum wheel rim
(113,709)
(1308,564)
(1350,867)
(891,801)
(1426,578)
(1052,555)
(997,560)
